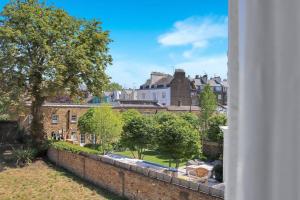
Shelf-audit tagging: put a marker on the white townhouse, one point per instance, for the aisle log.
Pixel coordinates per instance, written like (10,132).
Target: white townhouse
(157,88)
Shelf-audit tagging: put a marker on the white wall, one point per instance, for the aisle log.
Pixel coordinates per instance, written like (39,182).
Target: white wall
(264,113)
(148,94)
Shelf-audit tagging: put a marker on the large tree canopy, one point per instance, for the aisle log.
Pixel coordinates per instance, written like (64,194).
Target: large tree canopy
(43,50)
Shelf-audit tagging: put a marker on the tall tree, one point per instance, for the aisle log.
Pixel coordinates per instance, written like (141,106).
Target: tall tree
(208,105)
(103,122)
(138,134)
(178,139)
(43,49)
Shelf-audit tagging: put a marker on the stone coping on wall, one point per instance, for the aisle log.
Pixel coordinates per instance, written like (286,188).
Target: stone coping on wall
(216,190)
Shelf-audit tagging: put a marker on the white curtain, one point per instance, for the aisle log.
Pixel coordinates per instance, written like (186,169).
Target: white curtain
(264,101)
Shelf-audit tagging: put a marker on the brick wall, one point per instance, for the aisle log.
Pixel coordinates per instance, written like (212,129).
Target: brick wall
(180,90)
(131,181)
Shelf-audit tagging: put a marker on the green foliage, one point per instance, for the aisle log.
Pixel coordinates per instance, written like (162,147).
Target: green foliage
(24,156)
(208,105)
(113,87)
(163,117)
(178,139)
(103,122)
(61,145)
(214,133)
(43,50)
(192,119)
(129,114)
(138,134)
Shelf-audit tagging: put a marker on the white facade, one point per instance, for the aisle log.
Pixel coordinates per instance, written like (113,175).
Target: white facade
(162,95)
(128,94)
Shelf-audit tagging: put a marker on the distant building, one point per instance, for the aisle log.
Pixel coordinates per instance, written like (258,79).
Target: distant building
(128,94)
(180,89)
(157,88)
(218,86)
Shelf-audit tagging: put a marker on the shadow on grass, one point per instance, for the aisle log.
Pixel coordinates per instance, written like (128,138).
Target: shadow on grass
(101,191)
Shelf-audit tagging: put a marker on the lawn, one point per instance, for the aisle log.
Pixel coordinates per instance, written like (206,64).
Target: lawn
(152,156)
(42,180)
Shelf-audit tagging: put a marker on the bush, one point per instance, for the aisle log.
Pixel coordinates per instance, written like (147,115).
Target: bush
(61,145)
(24,156)
(218,172)
(214,132)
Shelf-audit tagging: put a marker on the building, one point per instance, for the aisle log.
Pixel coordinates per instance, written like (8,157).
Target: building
(128,94)
(218,86)
(180,89)
(61,119)
(157,88)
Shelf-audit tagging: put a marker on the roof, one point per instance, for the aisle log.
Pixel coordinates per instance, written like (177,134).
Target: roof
(164,79)
(183,108)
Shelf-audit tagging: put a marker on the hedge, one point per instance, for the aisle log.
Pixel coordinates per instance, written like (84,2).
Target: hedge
(61,145)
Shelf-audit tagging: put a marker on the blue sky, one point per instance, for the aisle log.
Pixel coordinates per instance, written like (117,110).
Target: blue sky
(158,35)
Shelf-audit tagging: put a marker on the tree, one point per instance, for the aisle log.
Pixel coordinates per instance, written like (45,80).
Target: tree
(208,105)
(138,134)
(129,115)
(113,87)
(192,119)
(178,140)
(163,117)
(103,123)
(214,132)
(43,50)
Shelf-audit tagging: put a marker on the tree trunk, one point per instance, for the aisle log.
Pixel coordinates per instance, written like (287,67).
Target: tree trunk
(177,164)
(37,127)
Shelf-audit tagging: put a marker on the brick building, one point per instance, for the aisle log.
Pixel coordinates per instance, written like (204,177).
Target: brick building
(180,89)
(61,120)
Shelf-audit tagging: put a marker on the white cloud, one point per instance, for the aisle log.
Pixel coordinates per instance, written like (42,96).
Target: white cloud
(133,73)
(211,65)
(195,31)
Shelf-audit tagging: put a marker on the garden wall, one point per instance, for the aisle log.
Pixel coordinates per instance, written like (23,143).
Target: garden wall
(131,181)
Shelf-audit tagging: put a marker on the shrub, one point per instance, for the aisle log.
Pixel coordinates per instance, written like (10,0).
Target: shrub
(214,132)
(24,156)
(218,172)
(61,145)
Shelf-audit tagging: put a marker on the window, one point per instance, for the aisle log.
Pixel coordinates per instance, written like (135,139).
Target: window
(73,136)
(143,96)
(154,96)
(219,97)
(93,139)
(163,95)
(30,117)
(54,119)
(73,118)
(82,138)
(218,88)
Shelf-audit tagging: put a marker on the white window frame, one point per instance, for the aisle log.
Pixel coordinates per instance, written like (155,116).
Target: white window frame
(163,95)
(82,139)
(72,120)
(54,121)
(74,136)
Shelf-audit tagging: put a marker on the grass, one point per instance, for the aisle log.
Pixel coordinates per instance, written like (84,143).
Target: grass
(42,180)
(152,156)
